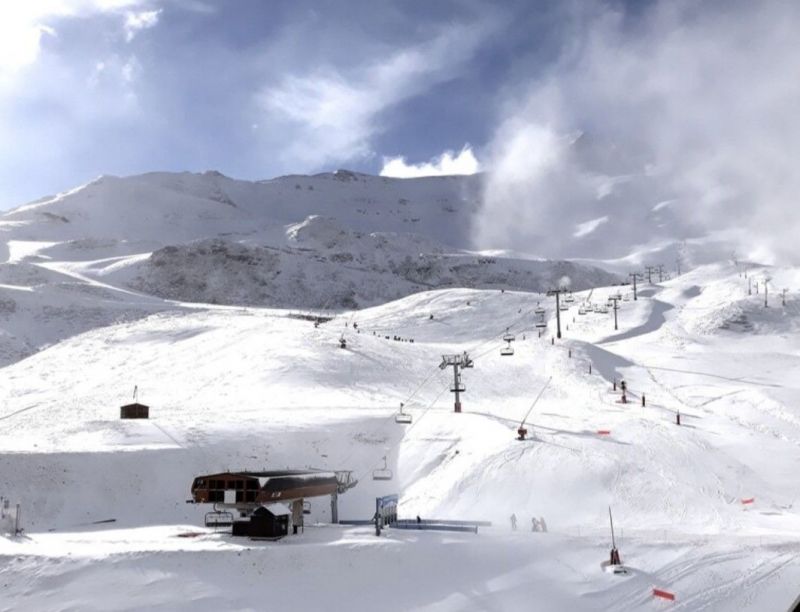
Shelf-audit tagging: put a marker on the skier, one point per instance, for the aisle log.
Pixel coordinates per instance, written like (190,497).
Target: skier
(513,522)
(542,525)
(534,524)
(419,522)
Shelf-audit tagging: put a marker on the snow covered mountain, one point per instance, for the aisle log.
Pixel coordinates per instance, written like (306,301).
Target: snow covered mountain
(113,285)
(330,241)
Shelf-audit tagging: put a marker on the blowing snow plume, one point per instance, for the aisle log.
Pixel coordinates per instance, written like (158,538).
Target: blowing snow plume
(679,122)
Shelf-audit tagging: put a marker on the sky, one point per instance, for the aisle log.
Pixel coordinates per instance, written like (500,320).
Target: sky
(257,88)
(584,111)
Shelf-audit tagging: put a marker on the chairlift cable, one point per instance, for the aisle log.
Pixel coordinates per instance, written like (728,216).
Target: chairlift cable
(388,449)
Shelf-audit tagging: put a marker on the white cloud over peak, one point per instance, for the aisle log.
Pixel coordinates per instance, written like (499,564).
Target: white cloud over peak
(447,163)
(684,102)
(587,227)
(138,21)
(334,114)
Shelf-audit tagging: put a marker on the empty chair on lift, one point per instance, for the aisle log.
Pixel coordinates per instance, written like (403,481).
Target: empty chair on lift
(508,336)
(541,323)
(402,417)
(507,350)
(563,307)
(569,298)
(219,518)
(383,473)
(539,310)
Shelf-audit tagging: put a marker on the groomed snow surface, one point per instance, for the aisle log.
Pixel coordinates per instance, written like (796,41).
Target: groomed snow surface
(251,388)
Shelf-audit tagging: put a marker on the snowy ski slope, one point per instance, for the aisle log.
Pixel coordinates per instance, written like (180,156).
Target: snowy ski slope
(233,388)
(85,315)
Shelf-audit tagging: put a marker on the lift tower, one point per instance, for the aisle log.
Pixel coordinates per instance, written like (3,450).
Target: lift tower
(457,362)
(557,293)
(635,276)
(615,299)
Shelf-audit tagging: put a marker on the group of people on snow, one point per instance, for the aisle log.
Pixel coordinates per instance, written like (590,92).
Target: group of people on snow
(537,524)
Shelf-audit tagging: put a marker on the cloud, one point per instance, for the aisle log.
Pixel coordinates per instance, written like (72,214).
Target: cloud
(587,227)
(447,163)
(138,21)
(23,24)
(691,103)
(331,114)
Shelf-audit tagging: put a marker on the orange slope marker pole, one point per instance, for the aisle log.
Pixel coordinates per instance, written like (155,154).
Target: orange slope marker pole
(663,594)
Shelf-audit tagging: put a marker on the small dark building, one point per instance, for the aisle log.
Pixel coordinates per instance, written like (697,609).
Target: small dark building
(265,522)
(134,411)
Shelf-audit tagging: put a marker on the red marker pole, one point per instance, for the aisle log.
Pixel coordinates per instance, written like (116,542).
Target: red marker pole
(663,594)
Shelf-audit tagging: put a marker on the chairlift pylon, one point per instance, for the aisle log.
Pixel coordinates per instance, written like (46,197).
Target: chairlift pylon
(383,473)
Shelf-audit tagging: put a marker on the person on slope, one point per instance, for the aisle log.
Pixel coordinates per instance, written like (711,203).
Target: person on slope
(513,522)
(534,524)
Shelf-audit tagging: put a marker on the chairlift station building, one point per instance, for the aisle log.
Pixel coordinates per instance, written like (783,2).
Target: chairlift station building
(249,493)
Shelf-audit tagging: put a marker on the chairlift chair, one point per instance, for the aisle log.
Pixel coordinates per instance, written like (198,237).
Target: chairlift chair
(383,473)
(218,518)
(581,311)
(508,337)
(306,507)
(569,298)
(507,350)
(539,309)
(563,307)
(402,417)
